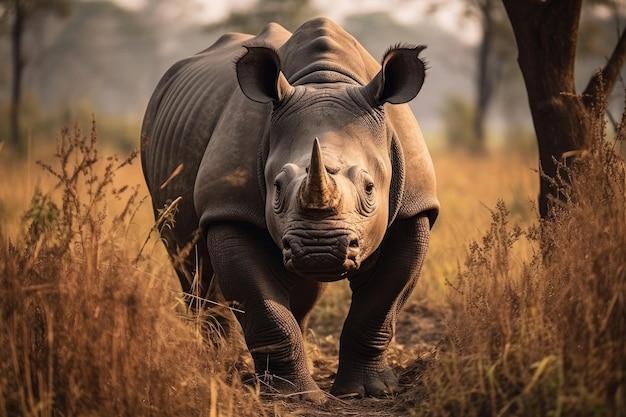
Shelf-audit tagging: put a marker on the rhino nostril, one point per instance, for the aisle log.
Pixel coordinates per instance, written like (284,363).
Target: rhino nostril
(286,245)
(354,243)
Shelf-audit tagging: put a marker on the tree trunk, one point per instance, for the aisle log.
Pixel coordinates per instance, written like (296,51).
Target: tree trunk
(546,34)
(18,66)
(484,82)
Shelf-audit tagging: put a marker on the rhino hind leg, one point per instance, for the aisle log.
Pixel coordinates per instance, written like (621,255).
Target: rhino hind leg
(248,268)
(191,262)
(183,241)
(376,301)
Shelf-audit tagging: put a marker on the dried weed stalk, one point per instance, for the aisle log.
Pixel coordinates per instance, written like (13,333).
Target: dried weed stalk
(82,330)
(546,335)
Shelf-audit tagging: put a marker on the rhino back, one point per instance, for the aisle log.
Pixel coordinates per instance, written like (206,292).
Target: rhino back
(185,122)
(180,118)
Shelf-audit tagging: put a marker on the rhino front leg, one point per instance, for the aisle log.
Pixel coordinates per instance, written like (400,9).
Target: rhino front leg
(249,271)
(304,295)
(377,298)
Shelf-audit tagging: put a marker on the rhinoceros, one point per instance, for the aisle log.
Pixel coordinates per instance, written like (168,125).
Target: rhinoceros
(296,158)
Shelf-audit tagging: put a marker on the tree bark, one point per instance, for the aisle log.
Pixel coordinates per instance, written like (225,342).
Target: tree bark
(546,35)
(18,67)
(604,81)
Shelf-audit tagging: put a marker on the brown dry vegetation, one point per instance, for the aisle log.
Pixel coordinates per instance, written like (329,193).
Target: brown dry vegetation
(544,334)
(89,326)
(92,323)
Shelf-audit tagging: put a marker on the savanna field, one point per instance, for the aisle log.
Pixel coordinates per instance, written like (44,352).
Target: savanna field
(510,317)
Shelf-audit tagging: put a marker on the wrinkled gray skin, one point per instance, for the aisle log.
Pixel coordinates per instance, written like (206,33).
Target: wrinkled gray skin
(300,165)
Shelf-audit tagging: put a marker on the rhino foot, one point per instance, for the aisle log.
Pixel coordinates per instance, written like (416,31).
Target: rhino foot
(373,383)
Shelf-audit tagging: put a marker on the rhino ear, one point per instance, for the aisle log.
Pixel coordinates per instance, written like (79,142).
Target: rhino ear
(259,75)
(401,77)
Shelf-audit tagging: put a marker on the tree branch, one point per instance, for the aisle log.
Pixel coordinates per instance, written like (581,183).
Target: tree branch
(609,74)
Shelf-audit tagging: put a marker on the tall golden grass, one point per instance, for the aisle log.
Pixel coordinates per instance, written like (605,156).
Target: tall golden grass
(542,334)
(92,321)
(89,327)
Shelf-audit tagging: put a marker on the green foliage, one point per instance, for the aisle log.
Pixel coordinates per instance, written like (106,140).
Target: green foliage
(41,217)
(457,115)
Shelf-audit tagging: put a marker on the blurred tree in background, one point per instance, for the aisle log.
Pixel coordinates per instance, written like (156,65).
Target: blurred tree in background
(458,114)
(16,17)
(494,57)
(495,51)
(496,70)
(290,14)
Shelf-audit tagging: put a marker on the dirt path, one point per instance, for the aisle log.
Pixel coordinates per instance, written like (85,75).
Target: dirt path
(418,332)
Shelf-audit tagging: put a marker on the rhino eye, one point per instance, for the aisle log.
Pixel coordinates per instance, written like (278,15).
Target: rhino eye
(280,184)
(367,198)
(278,196)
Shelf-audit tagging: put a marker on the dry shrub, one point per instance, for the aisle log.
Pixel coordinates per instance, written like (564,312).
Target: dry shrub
(546,335)
(84,330)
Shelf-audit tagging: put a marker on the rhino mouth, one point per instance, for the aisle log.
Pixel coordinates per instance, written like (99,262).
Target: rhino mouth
(322,255)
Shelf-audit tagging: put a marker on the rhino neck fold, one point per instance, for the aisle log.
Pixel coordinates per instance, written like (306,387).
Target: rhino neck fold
(320,51)
(324,72)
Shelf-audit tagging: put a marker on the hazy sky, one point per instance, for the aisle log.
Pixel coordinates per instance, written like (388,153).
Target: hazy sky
(404,11)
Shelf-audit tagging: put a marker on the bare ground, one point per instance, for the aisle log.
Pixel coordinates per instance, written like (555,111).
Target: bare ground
(419,330)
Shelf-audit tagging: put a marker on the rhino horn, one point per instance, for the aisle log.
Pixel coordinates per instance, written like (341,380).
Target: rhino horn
(318,190)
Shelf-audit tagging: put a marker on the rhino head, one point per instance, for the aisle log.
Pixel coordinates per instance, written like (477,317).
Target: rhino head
(328,163)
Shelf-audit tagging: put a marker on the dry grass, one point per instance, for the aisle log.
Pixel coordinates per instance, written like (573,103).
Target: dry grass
(86,329)
(545,336)
(92,323)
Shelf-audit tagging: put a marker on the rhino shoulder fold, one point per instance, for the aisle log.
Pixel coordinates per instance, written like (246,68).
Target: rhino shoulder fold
(413,183)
